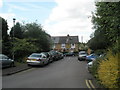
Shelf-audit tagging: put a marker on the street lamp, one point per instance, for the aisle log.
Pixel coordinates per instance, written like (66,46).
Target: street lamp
(13,35)
(13,26)
(14,21)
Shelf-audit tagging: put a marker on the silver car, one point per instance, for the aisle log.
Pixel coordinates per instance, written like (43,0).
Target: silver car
(5,61)
(37,59)
(82,55)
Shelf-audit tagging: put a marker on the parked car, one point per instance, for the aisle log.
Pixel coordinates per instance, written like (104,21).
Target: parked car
(54,55)
(82,55)
(38,59)
(5,61)
(48,56)
(89,65)
(91,57)
(60,55)
(69,54)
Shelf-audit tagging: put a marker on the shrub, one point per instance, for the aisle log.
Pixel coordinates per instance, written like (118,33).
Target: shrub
(100,51)
(22,48)
(108,71)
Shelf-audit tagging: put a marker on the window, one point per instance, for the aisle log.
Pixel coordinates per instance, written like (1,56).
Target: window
(62,45)
(36,55)
(54,46)
(72,45)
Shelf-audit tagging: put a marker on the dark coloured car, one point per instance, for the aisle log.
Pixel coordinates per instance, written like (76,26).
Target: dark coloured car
(54,55)
(5,61)
(60,55)
(69,54)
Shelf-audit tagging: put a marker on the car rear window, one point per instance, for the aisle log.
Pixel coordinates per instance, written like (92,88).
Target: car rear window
(34,55)
(82,53)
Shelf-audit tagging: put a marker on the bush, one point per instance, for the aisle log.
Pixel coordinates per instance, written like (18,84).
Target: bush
(100,51)
(108,71)
(22,48)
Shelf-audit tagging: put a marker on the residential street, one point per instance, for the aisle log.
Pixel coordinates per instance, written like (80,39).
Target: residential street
(65,73)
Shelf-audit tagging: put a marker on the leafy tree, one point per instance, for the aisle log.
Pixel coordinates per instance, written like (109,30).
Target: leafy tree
(106,22)
(3,29)
(22,48)
(82,46)
(35,31)
(16,31)
(107,19)
(4,40)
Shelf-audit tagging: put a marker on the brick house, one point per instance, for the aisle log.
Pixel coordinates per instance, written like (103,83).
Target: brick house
(65,43)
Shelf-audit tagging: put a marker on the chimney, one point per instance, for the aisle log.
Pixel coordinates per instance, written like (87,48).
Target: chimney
(67,39)
(68,35)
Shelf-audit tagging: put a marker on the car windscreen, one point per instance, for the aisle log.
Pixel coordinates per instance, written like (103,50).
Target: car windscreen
(82,53)
(35,55)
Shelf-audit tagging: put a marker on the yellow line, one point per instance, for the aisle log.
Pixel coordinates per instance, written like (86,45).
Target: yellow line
(92,85)
(87,84)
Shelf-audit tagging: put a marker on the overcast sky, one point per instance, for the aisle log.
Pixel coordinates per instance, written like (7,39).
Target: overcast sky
(58,17)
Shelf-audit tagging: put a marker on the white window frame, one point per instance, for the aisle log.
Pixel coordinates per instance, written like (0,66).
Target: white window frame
(54,46)
(72,45)
(62,45)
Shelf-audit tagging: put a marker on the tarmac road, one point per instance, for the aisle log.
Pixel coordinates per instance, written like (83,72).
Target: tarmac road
(65,73)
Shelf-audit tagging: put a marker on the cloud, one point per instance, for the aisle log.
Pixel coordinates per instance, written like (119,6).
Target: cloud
(1,3)
(71,17)
(28,0)
(9,17)
(12,6)
(35,7)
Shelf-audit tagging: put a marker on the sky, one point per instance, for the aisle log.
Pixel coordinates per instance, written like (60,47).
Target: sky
(58,17)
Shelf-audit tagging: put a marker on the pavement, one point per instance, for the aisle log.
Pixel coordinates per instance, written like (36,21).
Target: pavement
(13,70)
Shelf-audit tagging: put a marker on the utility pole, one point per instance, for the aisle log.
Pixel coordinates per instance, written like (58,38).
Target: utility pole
(82,39)
(13,35)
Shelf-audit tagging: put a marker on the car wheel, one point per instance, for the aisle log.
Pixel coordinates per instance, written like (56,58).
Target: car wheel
(48,62)
(43,63)
(80,59)
(28,64)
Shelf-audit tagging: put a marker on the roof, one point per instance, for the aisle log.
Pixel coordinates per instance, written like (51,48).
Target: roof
(65,39)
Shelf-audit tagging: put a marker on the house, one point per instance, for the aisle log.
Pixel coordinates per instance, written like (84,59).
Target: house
(65,43)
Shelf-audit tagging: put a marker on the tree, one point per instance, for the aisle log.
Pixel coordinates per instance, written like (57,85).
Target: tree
(35,31)
(3,29)
(16,31)
(4,40)
(22,48)
(106,22)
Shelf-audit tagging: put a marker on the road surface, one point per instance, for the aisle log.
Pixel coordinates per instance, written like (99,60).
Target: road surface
(65,73)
